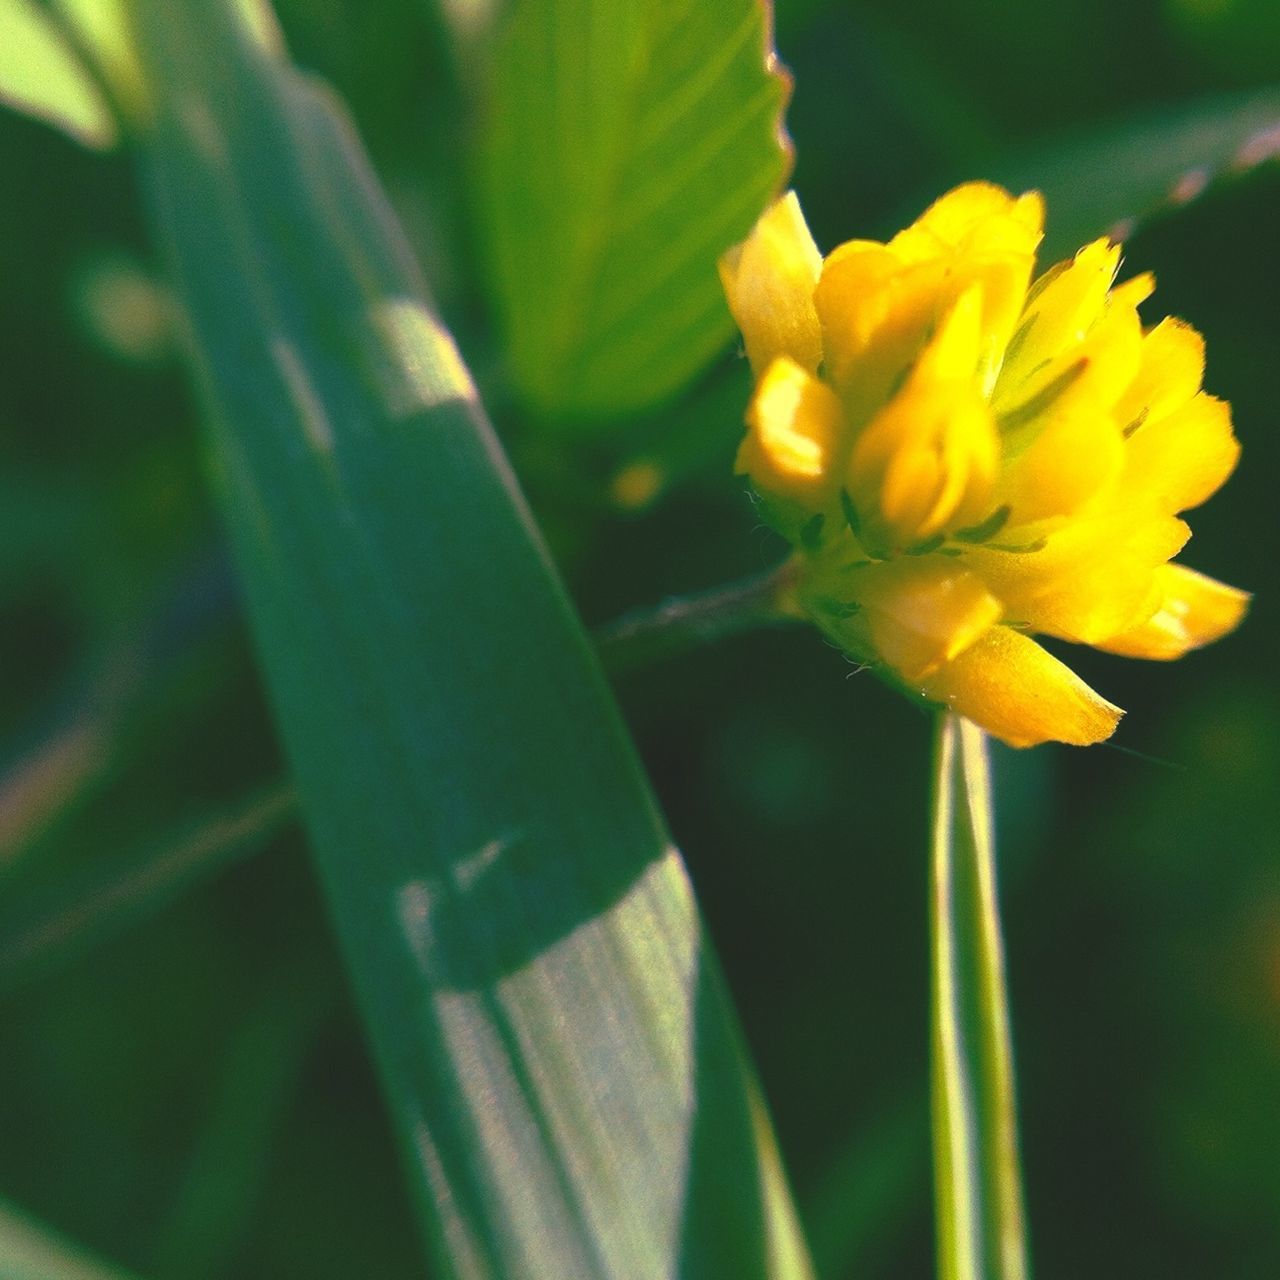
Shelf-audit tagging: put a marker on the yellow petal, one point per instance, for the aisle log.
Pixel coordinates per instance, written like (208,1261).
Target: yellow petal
(1093,373)
(1093,577)
(1170,373)
(1113,349)
(1194,610)
(1133,293)
(976,215)
(794,424)
(879,303)
(1060,310)
(952,354)
(985,236)
(924,613)
(876,315)
(1178,461)
(1028,209)
(926,462)
(1004,280)
(769,280)
(1012,688)
(1076,456)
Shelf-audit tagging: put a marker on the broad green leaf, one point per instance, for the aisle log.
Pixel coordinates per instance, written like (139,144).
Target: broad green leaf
(627,146)
(41,75)
(556,1048)
(1110,181)
(31,1251)
(977,1176)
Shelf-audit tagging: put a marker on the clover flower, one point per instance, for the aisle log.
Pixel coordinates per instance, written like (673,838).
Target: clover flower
(964,458)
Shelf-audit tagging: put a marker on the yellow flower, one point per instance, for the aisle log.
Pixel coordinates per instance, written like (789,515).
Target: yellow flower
(964,457)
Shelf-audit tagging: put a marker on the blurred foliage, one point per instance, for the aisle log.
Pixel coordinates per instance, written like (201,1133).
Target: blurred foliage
(1141,893)
(40,73)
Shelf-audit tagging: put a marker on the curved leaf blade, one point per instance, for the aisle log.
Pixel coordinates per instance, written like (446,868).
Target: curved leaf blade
(557,1052)
(1110,181)
(627,146)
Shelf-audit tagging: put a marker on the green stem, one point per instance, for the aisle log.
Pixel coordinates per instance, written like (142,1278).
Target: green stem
(977,1177)
(685,622)
(40,933)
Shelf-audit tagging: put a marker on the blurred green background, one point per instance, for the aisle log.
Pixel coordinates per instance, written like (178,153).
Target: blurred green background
(183,1085)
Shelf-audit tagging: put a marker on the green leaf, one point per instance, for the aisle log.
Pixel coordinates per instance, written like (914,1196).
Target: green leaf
(1111,181)
(977,1178)
(41,75)
(101,31)
(31,1251)
(628,145)
(557,1052)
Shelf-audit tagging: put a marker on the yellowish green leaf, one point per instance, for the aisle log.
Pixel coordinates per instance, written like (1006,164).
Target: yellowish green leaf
(41,75)
(627,146)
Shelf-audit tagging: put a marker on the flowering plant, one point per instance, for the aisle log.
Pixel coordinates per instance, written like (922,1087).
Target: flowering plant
(964,456)
(967,461)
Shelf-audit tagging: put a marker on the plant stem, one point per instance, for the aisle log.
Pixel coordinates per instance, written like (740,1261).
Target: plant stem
(685,622)
(977,1179)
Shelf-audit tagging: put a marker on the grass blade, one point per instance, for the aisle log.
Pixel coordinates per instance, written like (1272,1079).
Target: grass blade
(977,1179)
(556,1050)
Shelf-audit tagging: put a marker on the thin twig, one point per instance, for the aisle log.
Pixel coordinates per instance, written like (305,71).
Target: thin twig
(685,622)
(79,915)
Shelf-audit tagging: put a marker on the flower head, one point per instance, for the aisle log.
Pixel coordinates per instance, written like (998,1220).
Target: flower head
(965,457)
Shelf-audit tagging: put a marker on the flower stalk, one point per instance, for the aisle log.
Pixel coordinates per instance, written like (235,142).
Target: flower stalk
(980,1222)
(685,622)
